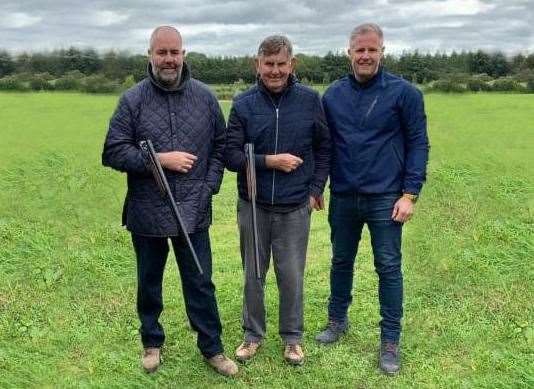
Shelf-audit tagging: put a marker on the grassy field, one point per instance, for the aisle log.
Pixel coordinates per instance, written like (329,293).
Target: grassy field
(67,287)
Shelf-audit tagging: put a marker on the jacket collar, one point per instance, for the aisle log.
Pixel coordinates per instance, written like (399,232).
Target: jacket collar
(185,77)
(378,78)
(292,79)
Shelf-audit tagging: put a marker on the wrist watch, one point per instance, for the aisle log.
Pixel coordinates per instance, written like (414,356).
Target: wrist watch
(411,196)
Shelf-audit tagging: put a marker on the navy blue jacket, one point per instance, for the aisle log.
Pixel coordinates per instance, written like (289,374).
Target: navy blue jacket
(379,136)
(296,125)
(188,119)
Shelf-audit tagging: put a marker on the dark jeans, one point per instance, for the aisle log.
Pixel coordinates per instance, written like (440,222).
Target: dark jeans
(198,290)
(347,215)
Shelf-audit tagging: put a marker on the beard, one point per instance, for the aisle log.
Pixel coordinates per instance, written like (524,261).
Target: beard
(166,77)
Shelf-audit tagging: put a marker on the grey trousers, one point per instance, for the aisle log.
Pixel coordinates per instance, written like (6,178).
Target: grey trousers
(286,236)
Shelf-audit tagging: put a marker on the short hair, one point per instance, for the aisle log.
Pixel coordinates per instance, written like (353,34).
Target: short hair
(156,32)
(366,28)
(273,44)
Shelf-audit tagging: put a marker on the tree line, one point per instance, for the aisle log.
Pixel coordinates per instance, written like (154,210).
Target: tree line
(73,68)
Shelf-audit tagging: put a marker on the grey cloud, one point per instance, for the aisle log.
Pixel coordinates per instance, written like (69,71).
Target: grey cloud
(236,27)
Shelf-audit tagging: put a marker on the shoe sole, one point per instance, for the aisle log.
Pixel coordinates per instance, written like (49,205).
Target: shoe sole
(388,373)
(332,342)
(220,371)
(153,369)
(244,360)
(294,363)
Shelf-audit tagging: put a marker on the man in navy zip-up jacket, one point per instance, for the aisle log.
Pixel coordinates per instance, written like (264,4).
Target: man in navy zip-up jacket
(379,158)
(285,122)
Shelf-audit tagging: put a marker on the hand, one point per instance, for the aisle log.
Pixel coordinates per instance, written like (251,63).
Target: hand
(284,162)
(179,161)
(402,210)
(317,203)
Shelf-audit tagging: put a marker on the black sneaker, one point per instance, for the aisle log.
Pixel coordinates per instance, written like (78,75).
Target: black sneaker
(389,359)
(332,332)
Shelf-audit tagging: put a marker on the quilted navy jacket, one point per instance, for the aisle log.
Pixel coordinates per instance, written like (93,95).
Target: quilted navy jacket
(379,135)
(295,125)
(188,119)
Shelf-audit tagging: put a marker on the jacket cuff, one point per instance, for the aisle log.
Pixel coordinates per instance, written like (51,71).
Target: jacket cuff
(316,191)
(260,161)
(411,190)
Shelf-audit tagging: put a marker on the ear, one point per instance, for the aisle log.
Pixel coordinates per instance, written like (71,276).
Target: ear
(257,64)
(348,51)
(183,52)
(383,51)
(294,61)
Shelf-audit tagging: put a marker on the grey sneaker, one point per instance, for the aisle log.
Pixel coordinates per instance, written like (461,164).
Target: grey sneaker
(332,332)
(151,359)
(223,365)
(389,359)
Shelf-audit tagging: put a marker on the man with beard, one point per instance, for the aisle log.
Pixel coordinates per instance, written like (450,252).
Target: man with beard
(183,120)
(380,153)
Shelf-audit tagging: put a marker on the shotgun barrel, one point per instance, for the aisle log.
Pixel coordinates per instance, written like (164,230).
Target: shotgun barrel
(163,184)
(251,188)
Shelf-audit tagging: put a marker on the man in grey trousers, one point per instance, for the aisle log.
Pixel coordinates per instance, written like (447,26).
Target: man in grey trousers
(285,122)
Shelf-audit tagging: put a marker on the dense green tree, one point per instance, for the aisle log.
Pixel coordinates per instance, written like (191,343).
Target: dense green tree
(7,65)
(117,66)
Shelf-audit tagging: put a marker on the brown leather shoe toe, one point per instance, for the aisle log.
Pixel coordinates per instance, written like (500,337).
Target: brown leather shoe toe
(293,354)
(223,365)
(151,359)
(246,351)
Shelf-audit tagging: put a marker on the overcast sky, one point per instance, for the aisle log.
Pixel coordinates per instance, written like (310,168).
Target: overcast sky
(236,27)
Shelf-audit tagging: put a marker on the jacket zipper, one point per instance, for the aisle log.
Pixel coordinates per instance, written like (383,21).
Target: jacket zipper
(275,147)
(277,111)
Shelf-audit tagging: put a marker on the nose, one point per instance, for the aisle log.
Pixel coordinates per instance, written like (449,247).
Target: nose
(169,57)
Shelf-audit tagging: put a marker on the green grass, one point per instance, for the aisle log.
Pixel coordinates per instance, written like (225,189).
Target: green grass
(68,284)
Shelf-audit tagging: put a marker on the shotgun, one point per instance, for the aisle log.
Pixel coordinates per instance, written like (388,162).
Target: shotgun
(251,188)
(163,184)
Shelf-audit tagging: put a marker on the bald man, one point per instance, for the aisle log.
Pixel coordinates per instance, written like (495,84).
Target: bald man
(183,120)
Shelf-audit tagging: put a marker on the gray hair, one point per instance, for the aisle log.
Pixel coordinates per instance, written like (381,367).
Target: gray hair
(273,44)
(161,28)
(366,28)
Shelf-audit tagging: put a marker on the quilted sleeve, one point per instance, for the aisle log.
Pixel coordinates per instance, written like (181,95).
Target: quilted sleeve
(120,150)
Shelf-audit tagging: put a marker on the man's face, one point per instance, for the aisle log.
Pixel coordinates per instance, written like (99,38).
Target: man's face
(365,53)
(274,70)
(167,57)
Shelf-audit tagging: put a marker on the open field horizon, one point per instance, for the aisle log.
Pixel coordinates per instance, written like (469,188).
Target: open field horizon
(68,284)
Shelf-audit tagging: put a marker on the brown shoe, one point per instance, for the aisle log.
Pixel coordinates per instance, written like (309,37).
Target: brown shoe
(246,350)
(223,365)
(151,359)
(293,354)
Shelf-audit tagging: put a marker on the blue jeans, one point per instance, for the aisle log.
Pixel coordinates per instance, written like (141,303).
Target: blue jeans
(198,290)
(347,216)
